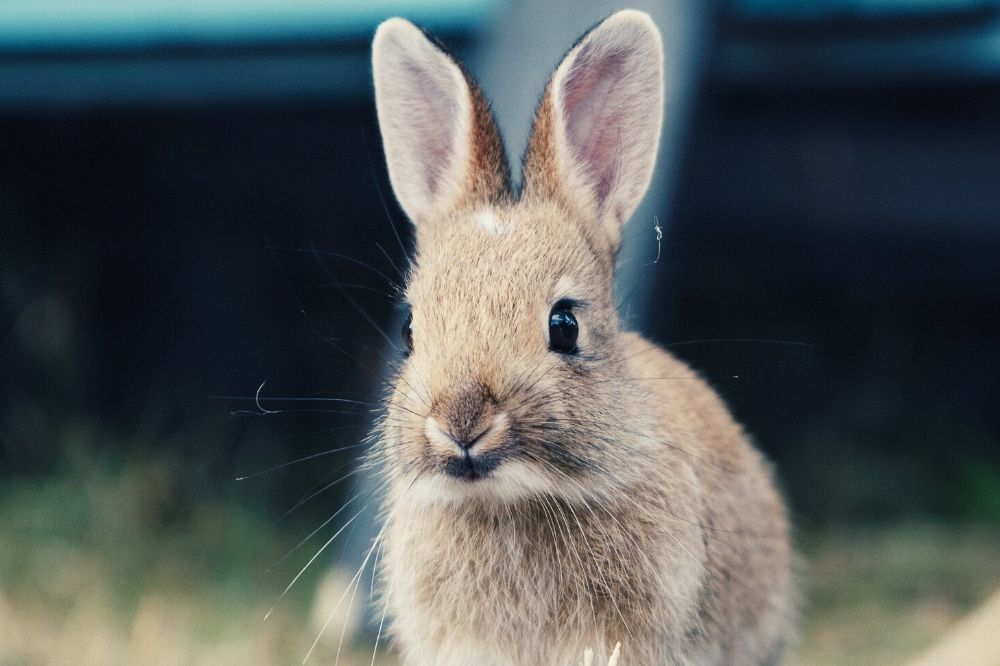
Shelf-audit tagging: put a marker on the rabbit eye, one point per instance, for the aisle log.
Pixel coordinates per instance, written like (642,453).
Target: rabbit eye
(407,332)
(563,329)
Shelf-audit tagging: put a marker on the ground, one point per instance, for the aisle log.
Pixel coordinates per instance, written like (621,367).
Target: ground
(91,573)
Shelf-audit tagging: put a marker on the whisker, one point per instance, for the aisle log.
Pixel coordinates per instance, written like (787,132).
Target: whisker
(309,321)
(391,262)
(773,341)
(276,412)
(314,532)
(335,255)
(356,577)
(381,622)
(292,399)
(350,299)
(386,296)
(311,560)
(381,196)
(312,456)
(317,493)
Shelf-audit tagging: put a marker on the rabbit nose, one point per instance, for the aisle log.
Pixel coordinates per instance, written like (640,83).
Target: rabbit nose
(465,412)
(486,437)
(470,427)
(443,435)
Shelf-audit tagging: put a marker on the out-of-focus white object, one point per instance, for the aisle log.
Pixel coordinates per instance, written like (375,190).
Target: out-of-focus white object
(973,640)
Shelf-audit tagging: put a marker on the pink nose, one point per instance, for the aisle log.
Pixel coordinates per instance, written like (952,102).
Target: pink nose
(440,435)
(443,434)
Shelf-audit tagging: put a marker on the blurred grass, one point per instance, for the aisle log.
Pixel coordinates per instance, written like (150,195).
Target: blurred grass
(881,595)
(99,565)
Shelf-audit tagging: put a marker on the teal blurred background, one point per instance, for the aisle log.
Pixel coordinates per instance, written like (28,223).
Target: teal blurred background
(194,208)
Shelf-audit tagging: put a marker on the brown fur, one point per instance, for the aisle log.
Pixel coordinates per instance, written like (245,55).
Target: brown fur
(489,177)
(627,505)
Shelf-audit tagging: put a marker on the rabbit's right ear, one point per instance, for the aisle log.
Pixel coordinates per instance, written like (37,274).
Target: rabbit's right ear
(596,133)
(441,145)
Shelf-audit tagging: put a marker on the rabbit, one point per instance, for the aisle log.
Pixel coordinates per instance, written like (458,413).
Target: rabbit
(554,482)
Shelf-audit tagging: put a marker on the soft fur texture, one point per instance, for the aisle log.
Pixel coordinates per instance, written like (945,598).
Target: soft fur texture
(616,498)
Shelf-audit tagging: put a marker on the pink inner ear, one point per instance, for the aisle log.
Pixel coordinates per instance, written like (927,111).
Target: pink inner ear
(432,113)
(592,106)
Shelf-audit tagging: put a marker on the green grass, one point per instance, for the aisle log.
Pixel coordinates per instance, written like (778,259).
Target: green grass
(99,566)
(877,596)
(103,563)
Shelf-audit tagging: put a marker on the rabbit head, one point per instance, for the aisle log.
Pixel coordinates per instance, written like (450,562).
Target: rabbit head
(513,381)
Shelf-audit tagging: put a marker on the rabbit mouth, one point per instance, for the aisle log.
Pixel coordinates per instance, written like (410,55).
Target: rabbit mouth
(471,468)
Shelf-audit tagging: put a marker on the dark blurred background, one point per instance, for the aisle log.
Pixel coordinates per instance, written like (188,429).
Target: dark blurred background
(193,203)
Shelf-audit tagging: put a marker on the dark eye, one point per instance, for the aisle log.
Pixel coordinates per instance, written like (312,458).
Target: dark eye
(563,329)
(407,332)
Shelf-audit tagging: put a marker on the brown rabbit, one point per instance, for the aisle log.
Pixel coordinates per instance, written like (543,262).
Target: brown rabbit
(554,482)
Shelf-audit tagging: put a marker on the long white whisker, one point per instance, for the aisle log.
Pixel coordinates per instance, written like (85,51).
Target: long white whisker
(311,560)
(312,456)
(356,577)
(381,622)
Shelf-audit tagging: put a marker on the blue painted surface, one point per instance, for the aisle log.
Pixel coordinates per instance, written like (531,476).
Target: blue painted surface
(80,54)
(48,24)
(856,9)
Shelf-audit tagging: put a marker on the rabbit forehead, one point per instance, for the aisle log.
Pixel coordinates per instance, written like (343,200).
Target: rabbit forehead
(511,257)
(485,281)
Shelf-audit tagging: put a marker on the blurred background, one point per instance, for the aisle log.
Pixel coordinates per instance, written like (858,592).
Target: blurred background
(198,245)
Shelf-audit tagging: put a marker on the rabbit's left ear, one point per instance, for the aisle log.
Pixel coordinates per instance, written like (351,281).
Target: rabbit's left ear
(597,130)
(441,143)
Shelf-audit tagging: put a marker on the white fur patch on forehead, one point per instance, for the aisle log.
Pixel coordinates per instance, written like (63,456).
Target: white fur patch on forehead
(488,221)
